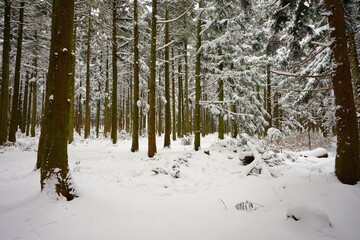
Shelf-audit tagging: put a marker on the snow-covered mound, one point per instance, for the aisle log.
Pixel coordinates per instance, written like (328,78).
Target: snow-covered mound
(310,216)
(228,145)
(318,152)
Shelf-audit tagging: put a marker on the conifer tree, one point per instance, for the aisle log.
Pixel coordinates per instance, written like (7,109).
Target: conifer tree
(34,105)
(88,89)
(106,101)
(72,86)
(114,100)
(4,95)
(135,130)
(24,108)
(347,162)
(221,98)
(197,115)
(167,81)
(152,85)
(173,95)
(55,175)
(187,124)
(15,100)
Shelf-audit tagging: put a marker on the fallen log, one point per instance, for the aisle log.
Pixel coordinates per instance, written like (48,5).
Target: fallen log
(246,157)
(257,164)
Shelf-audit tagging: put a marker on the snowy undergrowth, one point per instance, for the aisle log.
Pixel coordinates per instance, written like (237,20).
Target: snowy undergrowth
(122,197)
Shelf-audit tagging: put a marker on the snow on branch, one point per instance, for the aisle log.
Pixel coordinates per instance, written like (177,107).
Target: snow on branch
(310,56)
(215,102)
(324,74)
(309,90)
(328,44)
(177,18)
(166,45)
(326,14)
(284,7)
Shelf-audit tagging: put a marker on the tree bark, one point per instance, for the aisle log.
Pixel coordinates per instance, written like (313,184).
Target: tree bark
(160,130)
(87,97)
(15,101)
(72,87)
(197,116)
(221,98)
(4,97)
(24,108)
(355,71)
(135,130)
(234,122)
(347,162)
(55,175)
(34,101)
(180,97)
(106,101)
(167,82)
(276,112)
(79,123)
(98,111)
(187,107)
(173,96)
(114,72)
(28,114)
(152,85)
(268,97)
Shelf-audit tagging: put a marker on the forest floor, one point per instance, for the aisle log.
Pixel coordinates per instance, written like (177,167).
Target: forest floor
(180,194)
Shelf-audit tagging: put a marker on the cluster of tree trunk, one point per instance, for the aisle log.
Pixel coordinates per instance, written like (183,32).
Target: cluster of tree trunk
(61,115)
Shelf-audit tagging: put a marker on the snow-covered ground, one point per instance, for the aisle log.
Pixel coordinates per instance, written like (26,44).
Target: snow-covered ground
(121,197)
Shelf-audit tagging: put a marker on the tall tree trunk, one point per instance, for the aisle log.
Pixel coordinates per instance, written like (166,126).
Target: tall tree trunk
(347,162)
(106,101)
(28,114)
(55,175)
(98,111)
(268,97)
(15,101)
(152,85)
(72,87)
(180,109)
(140,115)
(167,82)
(87,100)
(135,130)
(79,123)
(4,97)
(129,108)
(33,113)
(114,72)
(24,108)
(160,107)
(234,122)
(173,95)
(355,71)
(20,106)
(197,116)
(43,96)
(276,112)
(187,107)
(221,98)
(34,101)
(42,136)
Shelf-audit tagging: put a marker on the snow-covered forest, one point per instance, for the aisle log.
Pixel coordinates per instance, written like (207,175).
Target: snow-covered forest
(179,119)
